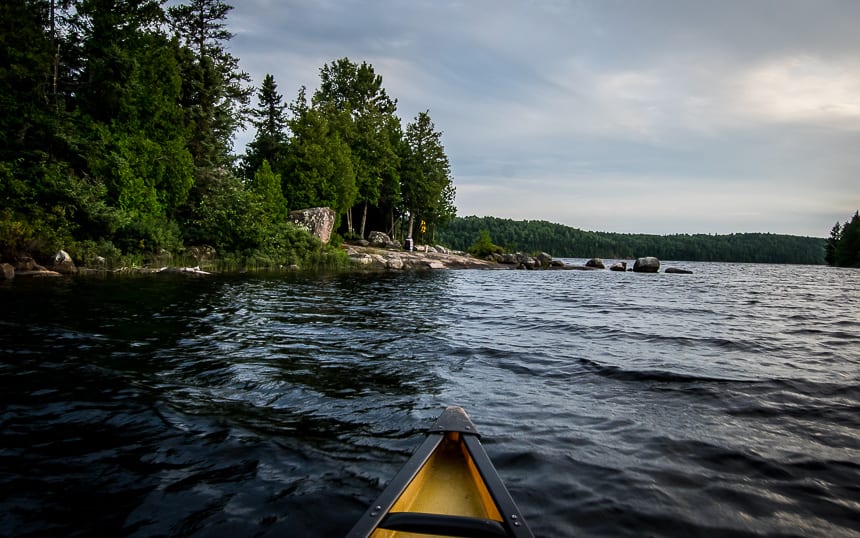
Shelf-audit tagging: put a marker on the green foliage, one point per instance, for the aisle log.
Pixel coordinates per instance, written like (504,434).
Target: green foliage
(271,122)
(26,119)
(360,111)
(426,184)
(116,139)
(843,246)
(149,235)
(484,246)
(564,241)
(215,90)
(267,185)
(318,166)
(96,253)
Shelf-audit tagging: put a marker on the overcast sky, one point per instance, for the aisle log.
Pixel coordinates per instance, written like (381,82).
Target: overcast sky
(640,116)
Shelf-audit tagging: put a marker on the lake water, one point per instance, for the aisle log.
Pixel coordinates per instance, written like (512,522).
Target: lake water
(722,403)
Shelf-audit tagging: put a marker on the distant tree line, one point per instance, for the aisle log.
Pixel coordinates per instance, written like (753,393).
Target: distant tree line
(564,241)
(843,245)
(117,122)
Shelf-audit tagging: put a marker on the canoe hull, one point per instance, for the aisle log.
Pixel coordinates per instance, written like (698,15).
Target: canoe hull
(448,487)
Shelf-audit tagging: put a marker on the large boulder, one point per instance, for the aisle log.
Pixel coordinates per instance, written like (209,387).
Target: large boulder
(597,263)
(544,259)
(63,263)
(649,264)
(7,271)
(319,221)
(378,239)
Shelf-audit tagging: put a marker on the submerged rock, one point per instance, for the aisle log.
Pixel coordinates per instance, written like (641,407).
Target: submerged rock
(678,271)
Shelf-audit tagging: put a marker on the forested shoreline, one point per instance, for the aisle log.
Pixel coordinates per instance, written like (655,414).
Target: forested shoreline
(118,119)
(565,241)
(117,124)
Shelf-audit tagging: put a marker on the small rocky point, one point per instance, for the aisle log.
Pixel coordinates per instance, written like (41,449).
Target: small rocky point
(380,253)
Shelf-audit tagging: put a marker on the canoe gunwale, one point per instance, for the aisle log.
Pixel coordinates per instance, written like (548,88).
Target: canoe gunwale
(453,422)
(380,508)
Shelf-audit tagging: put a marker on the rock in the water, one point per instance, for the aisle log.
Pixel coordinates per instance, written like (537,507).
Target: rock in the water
(26,263)
(596,263)
(319,221)
(618,266)
(63,263)
(184,270)
(544,259)
(7,272)
(649,264)
(678,271)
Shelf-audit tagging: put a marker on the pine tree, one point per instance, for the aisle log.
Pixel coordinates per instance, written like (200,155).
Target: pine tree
(426,184)
(270,120)
(215,91)
(848,246)
(832,242)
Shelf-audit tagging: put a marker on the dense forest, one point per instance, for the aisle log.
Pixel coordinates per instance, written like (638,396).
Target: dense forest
(843,245)
(117,122)
(564,241)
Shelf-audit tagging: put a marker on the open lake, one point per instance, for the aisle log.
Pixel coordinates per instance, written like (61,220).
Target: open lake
(722,403)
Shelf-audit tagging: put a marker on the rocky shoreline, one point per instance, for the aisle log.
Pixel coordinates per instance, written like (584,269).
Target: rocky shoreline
(365,256)
(391,257)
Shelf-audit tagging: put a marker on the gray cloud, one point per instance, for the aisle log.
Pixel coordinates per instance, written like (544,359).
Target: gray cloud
(653,116)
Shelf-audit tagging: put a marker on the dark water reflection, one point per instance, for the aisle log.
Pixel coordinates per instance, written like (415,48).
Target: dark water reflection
(721,403)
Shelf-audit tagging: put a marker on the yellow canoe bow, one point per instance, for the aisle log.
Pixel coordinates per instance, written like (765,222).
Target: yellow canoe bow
(449,487)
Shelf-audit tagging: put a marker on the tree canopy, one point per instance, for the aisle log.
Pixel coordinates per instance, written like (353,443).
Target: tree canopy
(564,241)
(117,122)
(843,245)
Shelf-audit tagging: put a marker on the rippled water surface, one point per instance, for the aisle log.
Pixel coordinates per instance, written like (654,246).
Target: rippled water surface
(722,403)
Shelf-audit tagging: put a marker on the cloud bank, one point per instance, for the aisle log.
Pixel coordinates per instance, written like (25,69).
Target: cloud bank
(654,116)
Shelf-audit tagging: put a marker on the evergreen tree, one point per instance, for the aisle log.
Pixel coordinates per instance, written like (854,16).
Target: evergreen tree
(832,242)
(110,33)
(426,184)
(363,114)
(267,185)
(270,120)
(848,245)
(26,57)
(215,90)
(318,166)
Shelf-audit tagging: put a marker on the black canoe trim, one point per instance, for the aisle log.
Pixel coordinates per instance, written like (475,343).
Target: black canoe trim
(379,509)
(452,419)
(462,527)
